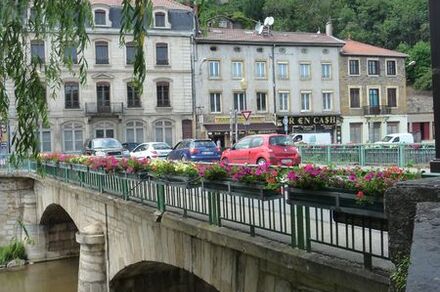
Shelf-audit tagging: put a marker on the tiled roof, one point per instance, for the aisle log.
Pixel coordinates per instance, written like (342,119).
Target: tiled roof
(250,36)
(361,49)
(169,4)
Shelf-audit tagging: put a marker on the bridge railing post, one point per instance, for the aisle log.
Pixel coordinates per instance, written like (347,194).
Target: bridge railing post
(161,197)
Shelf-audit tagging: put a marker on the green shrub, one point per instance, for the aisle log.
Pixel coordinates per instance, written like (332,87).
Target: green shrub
(400,274)
(15,250)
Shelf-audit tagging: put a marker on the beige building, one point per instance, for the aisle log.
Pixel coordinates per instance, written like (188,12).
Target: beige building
(107,105)
(373,92)
(273,75)
(420,115)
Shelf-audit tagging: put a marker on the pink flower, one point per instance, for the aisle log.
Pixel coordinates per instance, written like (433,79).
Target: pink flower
(360,195)
(292,176)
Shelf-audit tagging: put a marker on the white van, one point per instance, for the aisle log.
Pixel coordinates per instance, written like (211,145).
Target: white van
(406,138)
(312,138)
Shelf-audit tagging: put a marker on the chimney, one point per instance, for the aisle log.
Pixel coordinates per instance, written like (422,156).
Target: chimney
(329,28)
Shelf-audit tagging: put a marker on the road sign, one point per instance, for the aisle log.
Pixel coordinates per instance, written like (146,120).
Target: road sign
(246,114)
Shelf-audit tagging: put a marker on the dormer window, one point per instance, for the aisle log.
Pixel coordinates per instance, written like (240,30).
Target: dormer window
(159,19)
(100,17)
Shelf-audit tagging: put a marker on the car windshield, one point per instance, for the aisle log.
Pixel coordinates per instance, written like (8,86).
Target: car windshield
(106,143)
(280,140)
(387,138)
(203,143)
(161,146)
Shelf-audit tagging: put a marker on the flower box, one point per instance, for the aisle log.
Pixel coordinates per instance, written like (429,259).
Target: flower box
(346,208)
(256,190)
(176,180)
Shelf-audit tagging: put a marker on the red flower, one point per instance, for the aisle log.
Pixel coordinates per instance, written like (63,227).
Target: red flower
(360,195)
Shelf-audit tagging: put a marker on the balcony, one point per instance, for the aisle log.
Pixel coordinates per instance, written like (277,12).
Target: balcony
(104,110)
(377,110)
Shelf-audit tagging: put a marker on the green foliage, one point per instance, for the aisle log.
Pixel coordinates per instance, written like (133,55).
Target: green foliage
(401,274)
(420,73)
(15,250)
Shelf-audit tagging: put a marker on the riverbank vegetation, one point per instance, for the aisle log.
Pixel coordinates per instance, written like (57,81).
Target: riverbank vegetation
(12,251)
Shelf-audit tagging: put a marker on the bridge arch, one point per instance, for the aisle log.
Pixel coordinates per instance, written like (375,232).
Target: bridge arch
(157,277)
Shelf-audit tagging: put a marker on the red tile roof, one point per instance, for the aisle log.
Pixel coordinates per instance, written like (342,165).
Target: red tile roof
(361,49)
(169,4)
(250,36)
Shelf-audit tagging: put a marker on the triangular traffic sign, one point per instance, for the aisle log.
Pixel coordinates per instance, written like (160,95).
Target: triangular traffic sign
(246,114)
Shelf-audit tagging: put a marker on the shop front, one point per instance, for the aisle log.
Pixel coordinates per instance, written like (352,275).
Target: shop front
(312,124)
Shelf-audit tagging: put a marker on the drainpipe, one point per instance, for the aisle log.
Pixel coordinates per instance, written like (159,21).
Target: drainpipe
(274,84)
(193,89)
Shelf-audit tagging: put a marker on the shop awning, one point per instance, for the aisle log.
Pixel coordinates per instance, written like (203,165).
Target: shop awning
(266,127)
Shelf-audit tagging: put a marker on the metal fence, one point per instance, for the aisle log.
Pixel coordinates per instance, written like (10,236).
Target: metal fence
(304,227)
(402,155)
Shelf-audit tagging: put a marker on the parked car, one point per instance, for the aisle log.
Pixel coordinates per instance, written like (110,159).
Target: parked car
(104,147)
(275,149)
(151,150)
(312,138)
(195,150)
(130,145)
(406,138)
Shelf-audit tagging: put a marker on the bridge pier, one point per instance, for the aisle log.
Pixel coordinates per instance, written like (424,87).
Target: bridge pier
(92,275)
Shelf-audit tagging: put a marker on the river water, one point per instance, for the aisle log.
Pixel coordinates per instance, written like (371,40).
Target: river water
(55,276)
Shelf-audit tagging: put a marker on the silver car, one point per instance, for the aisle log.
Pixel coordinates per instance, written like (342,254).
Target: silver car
(151,150)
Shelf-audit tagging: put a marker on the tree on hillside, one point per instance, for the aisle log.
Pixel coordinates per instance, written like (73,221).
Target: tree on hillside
(63,23)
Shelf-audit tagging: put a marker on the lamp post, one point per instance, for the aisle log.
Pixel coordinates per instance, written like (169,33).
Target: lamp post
(434,20)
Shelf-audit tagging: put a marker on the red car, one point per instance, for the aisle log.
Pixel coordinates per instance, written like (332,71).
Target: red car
(275,149)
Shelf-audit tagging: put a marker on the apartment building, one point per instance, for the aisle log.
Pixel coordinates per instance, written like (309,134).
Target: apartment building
(275,75)
(107,105)
(373,92)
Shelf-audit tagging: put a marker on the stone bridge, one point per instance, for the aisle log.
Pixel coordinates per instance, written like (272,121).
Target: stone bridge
(127,246)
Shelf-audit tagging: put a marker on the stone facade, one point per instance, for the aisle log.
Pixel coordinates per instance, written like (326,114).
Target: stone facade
(373,122)
(420,115)
(142,121)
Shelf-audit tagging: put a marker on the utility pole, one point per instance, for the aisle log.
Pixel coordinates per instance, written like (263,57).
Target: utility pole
(231,128)
(236,125)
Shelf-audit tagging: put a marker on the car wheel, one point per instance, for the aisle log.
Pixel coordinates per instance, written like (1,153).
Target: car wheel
(261,161)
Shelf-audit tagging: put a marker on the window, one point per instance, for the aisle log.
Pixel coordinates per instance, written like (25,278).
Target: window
(355,98)
(159,19)
(283,101)
(283,70)
(104,130)
(133,98)
(392,97)
(260,69)
(392,127)
(237,69)
(353,67)
(161,54)
(261,102)
(391,68)
(103,96)
(71,95)
(326,71)
(305,101)
(214,69)
(373,67)
(216,102)
(37,51)
(71,55)
(130,51)
(134,132)
(101,50)
(100,17)
(44,140)
(163,132)
(374,99)
(327,101)
(304,71)
(163,94)
(356,133)
(375,132)
(239,101)
(72,137)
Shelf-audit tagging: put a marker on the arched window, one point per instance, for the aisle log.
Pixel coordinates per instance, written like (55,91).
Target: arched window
(72,137)
(104,130)
(163,94)
(134,132)
(101,51)
(44,139)
(161,54)
(130,53)
(163,132)
(71,95)
(100,17)
(159,19)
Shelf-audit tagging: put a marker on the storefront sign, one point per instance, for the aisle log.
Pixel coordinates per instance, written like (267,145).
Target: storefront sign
(311,120)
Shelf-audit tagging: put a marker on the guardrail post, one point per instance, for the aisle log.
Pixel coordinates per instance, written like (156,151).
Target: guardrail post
(329,155)
(300,226)
(361,155)
(126,195)
(401,155)
(101,182)
(161,197)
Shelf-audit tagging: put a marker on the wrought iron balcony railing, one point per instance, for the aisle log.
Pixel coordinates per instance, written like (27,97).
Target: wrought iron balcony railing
(114,108)
(377,110)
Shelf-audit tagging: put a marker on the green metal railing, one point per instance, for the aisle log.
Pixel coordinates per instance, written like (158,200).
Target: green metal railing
(402,155)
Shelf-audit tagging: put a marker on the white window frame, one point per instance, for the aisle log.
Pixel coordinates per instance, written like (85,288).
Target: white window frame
(330,76)
(258,65)
(41,129)
(106,9)
(241,93)
(109,52)
(167,23)
(256,98)
(163,138)
(397,95)
(286,64)
(368,71)
(210,75)
(324,92)
(301,76)
(218,95)
(386,67)
(136,125)
(360,96)
(359,66)
(283,100)
(74,124)
(309,93)
(233,71)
